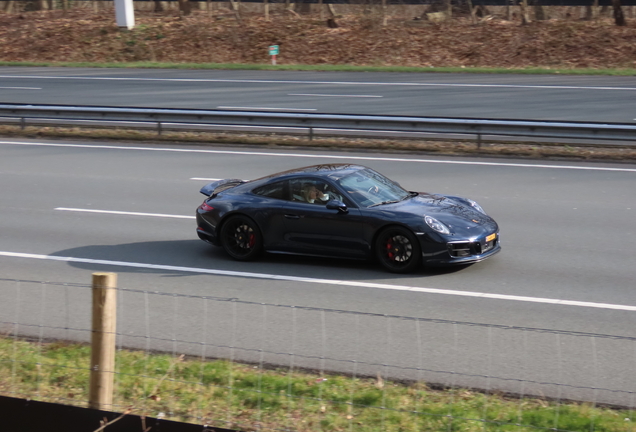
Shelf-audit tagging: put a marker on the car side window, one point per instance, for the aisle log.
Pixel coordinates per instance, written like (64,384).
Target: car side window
(312,191)
(273,190)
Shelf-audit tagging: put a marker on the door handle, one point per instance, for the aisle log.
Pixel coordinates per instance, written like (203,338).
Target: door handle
(291,216)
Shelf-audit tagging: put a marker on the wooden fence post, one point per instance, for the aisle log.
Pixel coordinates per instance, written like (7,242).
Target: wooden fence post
(103,341)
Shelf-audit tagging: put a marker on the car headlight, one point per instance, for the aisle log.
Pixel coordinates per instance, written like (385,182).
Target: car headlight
(476,206)
(436,225)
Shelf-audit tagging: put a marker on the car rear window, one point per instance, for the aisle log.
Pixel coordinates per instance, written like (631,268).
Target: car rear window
(273,190)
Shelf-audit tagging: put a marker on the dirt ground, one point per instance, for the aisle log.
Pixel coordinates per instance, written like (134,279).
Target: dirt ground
(218,36)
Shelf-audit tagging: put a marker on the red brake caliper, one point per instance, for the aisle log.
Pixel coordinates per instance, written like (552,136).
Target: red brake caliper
(389,249)
(252,240)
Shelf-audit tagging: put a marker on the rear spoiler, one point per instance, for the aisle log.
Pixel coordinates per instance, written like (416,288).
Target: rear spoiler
(212,189)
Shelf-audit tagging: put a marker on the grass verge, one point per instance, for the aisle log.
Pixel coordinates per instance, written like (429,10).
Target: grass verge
(333,68)
(246,397)
(533,150)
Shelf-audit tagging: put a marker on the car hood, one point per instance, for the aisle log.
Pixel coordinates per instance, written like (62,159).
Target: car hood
(457,215)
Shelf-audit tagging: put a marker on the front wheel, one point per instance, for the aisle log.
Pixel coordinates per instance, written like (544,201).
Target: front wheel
(398,250)
(241,238)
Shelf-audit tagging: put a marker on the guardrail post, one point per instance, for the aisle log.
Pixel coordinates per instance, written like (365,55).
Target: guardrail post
(102,373)
(159,128)
(22,123)
(311,134)
(479,141)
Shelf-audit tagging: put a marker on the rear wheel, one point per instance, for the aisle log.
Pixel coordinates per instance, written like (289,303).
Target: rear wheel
(398,250)
(241,238)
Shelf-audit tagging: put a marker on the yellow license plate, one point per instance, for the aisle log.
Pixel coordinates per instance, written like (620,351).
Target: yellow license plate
(491,237)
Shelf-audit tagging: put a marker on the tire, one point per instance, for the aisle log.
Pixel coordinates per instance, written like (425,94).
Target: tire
(241,238)
(398,250)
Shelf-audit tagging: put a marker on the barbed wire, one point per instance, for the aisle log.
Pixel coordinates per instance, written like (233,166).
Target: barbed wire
(345,311)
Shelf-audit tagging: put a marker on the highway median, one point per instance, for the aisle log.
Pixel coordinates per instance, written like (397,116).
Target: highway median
(541,150)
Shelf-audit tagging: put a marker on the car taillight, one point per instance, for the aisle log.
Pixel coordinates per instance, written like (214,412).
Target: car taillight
(205,207)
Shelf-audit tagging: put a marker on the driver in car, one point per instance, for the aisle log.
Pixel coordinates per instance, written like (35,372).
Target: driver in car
(314,196)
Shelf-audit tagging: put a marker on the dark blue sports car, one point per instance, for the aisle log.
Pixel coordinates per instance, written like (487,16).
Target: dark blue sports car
(344,211)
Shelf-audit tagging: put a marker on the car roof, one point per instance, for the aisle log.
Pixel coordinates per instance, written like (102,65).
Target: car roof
(333,171)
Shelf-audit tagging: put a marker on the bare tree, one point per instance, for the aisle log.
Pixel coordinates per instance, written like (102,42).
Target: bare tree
(384,10)
(471,9)
(448,8)
(303,7)
(525,16)
(184,7)
(236,10)
(594,10)
(539,12)
(158,6)
(619,17)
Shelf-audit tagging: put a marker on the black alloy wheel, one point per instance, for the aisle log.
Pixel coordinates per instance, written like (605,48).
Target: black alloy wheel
(398,250)
(241,238)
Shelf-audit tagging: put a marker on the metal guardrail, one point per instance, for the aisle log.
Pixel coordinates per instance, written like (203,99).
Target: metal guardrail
(336,124)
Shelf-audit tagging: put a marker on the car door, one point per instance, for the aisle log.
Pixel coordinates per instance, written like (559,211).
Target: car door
(269,211)
(312,228)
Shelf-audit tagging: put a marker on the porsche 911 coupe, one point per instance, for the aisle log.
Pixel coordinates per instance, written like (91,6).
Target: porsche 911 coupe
(344,211)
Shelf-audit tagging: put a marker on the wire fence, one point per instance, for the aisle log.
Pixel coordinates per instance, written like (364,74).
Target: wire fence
(231,363)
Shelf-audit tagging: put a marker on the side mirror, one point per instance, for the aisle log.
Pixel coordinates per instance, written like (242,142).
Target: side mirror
(337,205)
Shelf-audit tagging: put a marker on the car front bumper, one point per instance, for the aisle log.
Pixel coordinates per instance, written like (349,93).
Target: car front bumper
(449,260)
(436,252)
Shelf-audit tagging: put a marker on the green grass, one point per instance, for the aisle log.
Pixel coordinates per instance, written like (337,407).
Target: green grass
(332,68)
(234,395)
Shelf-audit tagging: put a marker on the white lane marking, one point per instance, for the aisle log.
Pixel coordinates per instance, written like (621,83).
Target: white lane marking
(347,83)
(333,95)
(205,179)
(21,88)
(265,108)
(124,213)
(483,295)
(323,156)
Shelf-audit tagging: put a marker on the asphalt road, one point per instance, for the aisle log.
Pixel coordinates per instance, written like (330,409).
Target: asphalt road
(540,97)
(567,268)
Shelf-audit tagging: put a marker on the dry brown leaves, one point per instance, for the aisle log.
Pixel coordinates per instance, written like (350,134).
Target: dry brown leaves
(83,35)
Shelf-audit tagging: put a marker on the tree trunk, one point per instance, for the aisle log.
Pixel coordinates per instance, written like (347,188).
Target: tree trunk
(448,8)
(473,19)
(525,17)
(235,8)
(303,7)
(595,9)
(184,7)
(604,11)
(619,18)
(158,6)
(384,8)
(539,12)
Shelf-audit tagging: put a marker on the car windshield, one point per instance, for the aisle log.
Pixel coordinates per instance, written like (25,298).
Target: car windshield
(369,188)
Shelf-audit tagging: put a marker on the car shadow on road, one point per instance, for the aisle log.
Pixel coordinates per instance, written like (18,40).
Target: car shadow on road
(196,257)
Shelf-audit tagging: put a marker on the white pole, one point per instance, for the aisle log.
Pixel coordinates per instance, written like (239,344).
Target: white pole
(124,14)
